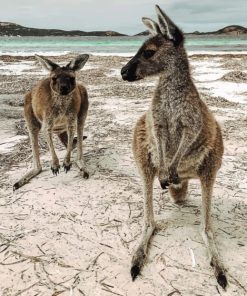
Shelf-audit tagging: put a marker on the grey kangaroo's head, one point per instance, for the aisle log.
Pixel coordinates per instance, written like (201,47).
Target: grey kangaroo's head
(159,52)
(63,79)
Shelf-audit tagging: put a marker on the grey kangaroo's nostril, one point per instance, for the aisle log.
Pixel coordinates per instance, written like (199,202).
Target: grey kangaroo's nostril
(124,71)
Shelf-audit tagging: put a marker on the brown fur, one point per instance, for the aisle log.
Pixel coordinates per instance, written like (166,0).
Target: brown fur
(59,105)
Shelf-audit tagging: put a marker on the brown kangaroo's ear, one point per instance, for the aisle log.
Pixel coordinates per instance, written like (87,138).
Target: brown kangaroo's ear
(46,63)
(168,28)
(152,26)
(78,63)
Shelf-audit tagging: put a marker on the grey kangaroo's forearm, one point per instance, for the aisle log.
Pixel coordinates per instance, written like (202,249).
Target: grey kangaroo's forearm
(188,137)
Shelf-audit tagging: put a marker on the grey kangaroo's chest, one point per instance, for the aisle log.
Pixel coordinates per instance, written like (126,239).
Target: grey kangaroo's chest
(167,120)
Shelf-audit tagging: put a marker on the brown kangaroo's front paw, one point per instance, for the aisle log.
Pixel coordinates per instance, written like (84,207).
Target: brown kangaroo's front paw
(173,176)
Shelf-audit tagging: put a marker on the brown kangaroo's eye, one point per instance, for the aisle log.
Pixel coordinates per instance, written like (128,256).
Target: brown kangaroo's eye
(148,53)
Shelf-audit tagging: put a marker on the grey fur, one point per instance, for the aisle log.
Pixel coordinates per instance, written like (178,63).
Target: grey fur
(178,138)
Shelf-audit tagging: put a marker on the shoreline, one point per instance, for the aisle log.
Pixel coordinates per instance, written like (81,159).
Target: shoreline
(67,233)
(119,54)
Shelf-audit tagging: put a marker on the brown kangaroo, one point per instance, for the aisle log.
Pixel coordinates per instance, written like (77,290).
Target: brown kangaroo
(178,138)
(57,104)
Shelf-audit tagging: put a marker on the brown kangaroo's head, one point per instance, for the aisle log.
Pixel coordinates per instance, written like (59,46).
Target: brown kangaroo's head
(63,79)
(159,52)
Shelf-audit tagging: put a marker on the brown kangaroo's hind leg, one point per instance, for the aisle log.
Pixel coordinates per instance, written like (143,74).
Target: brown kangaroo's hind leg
(147,171)
(34,127)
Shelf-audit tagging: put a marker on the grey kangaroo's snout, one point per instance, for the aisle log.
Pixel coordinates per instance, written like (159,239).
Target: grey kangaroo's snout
(128,72)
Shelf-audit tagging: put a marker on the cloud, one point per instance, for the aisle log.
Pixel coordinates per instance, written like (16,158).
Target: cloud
(124,16)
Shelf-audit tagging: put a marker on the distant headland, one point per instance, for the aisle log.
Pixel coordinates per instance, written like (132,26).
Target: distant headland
(12,29)
(234,30)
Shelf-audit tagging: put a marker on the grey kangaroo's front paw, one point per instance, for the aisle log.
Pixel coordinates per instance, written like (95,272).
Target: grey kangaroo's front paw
(173,177)
(163,179)
(164,184)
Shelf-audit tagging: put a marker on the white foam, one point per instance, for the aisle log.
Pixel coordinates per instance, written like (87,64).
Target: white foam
(205,52)
(27,53)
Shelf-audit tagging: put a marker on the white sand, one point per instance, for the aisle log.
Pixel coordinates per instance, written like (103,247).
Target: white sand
(63,235)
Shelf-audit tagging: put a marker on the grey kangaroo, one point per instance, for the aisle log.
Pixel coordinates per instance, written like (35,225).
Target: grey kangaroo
(58,104)
(178,138)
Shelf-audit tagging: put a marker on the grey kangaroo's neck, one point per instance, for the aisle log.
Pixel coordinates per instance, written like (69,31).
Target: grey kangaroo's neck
(175,83)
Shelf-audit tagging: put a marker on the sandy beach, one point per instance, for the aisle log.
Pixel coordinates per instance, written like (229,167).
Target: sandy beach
(64,235)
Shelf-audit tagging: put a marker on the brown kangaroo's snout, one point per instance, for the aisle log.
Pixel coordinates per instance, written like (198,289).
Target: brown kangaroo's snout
(63,83)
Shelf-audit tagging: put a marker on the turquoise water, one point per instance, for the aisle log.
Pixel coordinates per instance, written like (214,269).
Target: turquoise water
(119,45)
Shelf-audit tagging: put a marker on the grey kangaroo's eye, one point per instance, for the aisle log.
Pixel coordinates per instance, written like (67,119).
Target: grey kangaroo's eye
(148,53)
(54,79)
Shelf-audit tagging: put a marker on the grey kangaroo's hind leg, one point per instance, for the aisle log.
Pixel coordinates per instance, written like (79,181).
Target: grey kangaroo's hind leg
(207,183)
(34,128)
(140,254)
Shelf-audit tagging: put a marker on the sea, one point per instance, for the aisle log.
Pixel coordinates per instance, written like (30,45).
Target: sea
(124,46)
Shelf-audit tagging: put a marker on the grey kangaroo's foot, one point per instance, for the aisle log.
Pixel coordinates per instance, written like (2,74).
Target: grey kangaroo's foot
(140,255)
(222,280)
(137,263)
(219,274)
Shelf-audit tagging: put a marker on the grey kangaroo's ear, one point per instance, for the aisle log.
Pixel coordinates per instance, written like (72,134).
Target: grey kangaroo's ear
(168,28)
(46,63)
(152,26)
(78,63)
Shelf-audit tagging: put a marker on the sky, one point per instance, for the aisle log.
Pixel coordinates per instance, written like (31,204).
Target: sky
(123,15)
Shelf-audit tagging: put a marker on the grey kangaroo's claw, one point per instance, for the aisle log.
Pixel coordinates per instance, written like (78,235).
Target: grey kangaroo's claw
(222,280)
(135,271)
(16,186)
